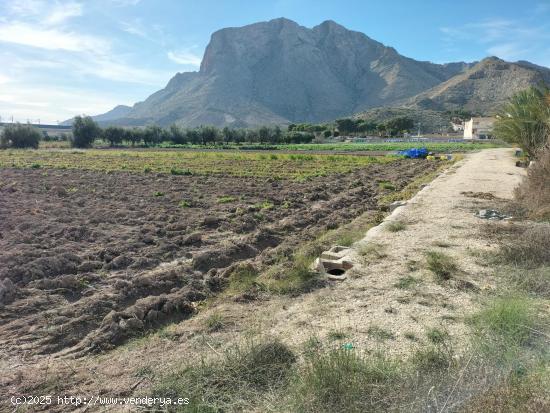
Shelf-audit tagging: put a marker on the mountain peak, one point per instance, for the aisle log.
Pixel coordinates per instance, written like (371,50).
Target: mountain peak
(278,72)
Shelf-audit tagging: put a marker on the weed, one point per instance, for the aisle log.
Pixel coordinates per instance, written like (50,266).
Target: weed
(144,371)
(258,216)
(343,381)
(507,320)
(226,199)
(336,335)
(36,166)
(347,236)
(214,322)
(406,282)
(242,278)
(431,359)
(379,333)
(441,265)
(386,185)
(409,335)
(158,193)
(240,376)
(396,226)
(265,205)
(437,336)
(534,281)
(176,171)
(529,248)
(184,204)
(372,250)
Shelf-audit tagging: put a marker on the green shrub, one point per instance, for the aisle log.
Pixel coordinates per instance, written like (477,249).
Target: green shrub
(85,131)
(343,381)
(215,322)
(524,120)
(20,136)
(507,320)
(441,265)
(437,336)
(396,226)
(431,359)
(238,378)
(386,185)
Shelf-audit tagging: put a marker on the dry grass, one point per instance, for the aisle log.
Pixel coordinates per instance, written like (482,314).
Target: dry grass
(442,265)
(527,248)
(534,192)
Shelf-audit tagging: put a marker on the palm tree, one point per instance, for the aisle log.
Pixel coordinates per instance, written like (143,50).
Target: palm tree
(525,120)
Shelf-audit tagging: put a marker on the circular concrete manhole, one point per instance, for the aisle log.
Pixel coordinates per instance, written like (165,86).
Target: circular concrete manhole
(336,271)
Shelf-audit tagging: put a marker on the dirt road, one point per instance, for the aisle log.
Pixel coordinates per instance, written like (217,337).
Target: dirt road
(390,299)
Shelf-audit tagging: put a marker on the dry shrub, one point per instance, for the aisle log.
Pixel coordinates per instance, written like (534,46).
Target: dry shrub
(530,249)
(534,192)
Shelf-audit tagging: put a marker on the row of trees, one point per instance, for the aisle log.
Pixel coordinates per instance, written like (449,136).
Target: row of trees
(86,131)
(392,127)
(350,126)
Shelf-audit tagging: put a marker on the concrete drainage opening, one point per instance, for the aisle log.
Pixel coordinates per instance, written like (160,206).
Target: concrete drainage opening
(332,263)
(336,271)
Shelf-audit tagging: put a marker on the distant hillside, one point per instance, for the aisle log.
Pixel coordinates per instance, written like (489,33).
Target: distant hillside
(429,120)
(279,72)
(117,112)
(482,88)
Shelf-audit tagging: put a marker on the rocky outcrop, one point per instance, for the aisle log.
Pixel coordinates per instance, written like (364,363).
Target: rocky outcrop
(278,72)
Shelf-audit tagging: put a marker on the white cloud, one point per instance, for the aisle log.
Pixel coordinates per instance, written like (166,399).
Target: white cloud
(62,12)
(505,38)
(508,51)
(25,8)
(135,27)
(124,3)
(184,57)
(51,104)
(43,12)
(50,38)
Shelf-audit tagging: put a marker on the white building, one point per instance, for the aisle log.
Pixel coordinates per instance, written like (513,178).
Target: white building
(479,128)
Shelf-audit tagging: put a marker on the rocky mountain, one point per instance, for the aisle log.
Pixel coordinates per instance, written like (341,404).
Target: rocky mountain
(117,112)
(278,72)
(482,88)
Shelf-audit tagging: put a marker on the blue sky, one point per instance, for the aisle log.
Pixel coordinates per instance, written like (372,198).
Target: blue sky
(62,58)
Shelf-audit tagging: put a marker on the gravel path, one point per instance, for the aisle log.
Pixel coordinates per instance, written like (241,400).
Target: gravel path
(391,300)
